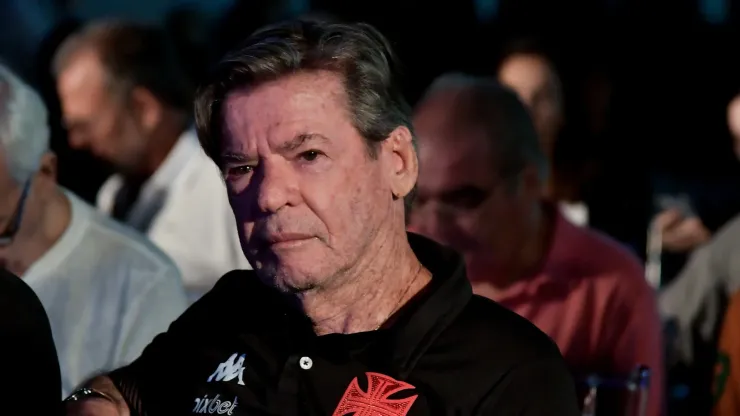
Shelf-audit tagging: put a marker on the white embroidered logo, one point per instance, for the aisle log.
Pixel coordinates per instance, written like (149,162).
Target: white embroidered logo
(229,370)
(214,406)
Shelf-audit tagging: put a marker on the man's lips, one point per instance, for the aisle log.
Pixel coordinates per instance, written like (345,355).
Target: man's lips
(286,240)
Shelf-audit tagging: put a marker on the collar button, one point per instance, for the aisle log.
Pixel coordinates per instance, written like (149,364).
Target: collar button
(306,363)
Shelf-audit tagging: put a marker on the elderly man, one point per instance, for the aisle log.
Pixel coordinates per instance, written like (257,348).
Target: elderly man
(344,313)
(107,291)
(482,169)
(125,97)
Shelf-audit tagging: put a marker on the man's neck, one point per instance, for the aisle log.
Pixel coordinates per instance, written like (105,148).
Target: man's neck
(47,215)
(163,141)
(388,276)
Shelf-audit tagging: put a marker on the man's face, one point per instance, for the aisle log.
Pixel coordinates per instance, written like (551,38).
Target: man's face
(97,116)
(733,122)
(536,83)
(9,191)
(307,197)
(462,202)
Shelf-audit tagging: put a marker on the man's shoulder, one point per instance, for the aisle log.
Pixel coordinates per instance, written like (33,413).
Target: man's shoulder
(123,245)
(603,255)
(499,336)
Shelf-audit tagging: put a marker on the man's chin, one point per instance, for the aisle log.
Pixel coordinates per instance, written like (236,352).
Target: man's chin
(286,281)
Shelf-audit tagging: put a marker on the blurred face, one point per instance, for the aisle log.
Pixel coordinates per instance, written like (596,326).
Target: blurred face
(537,85)
(307,197)
(733,122)
(18,213)
(9,190)
(96,116)
(462,202)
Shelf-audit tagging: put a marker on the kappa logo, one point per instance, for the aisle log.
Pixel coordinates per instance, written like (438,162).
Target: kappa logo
(214,406)
(229,370)
(375,401)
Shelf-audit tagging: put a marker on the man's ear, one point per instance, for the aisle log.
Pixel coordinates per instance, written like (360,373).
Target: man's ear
(146,108)
(403,164)
(48,165)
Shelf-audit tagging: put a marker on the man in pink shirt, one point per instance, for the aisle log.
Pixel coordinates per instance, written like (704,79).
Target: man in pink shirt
(480,188)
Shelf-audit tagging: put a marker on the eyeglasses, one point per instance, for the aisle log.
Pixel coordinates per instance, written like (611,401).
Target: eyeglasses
(6,237)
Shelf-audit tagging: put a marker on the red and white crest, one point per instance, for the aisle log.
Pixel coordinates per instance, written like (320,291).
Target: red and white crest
(375,401)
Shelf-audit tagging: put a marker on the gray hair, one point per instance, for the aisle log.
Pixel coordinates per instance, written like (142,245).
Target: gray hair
(509,127)
(24,129)
(355,51)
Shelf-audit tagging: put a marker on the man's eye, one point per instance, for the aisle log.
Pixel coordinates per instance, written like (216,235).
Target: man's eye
(239,170)
(309,155)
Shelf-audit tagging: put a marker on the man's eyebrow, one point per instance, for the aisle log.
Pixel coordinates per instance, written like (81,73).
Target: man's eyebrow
(298,141)
(234,157)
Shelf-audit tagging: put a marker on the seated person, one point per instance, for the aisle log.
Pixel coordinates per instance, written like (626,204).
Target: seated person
(344,313)
(106,289)
(27,351)
(482,169)
(126,98)
(528,71)
(693,305)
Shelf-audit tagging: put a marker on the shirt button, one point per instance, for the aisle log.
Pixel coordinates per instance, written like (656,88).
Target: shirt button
(306,363)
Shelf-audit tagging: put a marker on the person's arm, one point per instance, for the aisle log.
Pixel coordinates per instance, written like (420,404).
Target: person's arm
(541,387)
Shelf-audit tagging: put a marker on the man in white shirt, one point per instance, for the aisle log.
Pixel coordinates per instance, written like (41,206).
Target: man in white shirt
(106,289)
(125,97)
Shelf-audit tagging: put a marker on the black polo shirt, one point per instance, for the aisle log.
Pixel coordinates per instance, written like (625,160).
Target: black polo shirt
(242,350)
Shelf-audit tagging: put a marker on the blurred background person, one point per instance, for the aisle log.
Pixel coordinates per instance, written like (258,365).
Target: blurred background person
(126,98)
(528,71)
(691,210)
(107,290)
(733,123)
(480,192)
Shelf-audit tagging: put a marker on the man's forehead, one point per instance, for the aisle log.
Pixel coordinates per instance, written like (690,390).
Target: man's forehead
(525,71)
(83,69)
(82,83)
(450,160)
(448,139)
(280,109)
(305,91)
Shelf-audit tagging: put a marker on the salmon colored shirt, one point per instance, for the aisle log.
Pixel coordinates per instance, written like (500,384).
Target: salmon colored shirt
(592,298)
(727,371)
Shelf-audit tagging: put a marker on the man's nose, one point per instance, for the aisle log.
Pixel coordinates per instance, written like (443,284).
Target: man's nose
(276,185)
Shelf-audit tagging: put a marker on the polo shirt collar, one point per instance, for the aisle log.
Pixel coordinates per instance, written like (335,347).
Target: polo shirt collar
(419,322)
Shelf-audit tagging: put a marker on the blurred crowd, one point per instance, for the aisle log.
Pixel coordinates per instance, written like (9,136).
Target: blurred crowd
(117,219)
